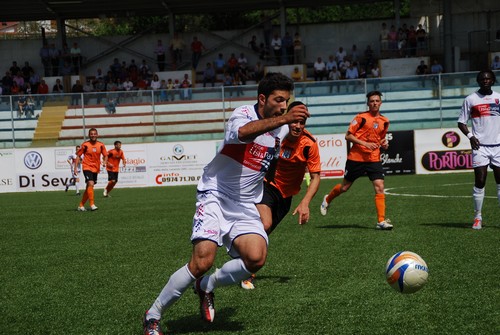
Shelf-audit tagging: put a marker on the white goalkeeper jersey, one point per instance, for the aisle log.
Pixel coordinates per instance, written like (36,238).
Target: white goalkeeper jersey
(484,113)
(238,169)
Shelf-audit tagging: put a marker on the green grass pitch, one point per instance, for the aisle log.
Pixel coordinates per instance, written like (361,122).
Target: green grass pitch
(68,272)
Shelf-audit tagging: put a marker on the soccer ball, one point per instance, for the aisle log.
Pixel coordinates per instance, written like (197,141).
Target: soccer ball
(406,272)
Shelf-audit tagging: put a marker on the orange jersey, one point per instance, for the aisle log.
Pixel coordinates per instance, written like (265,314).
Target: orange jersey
(92,155)
(114,157)
(294,158)
(367,128)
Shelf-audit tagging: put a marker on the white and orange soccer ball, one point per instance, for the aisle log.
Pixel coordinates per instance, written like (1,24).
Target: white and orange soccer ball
(406,272)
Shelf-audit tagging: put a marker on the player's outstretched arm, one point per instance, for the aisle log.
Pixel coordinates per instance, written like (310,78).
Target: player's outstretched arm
(303,208)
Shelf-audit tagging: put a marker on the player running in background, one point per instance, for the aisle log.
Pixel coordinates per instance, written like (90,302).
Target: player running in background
(299,152)
(483,108)
(366,133)
(113,166)
(226,215)
(75,177)
(92,150)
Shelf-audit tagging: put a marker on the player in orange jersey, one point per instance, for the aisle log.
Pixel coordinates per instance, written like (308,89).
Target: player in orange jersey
(367,134)
(92,150)
(299,152)
(113,166)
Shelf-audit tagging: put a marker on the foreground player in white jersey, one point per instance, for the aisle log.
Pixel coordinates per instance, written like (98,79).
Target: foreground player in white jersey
(75,176)
(483,108)
(226,215)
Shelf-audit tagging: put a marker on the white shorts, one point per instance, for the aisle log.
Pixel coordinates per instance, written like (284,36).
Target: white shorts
(221,219)
(75,175)
(486,156)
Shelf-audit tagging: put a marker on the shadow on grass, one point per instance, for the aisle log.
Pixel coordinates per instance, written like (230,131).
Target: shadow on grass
(274,279)
(467,225)
(194,324)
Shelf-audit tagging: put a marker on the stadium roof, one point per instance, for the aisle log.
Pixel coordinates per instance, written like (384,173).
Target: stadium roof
(35,10)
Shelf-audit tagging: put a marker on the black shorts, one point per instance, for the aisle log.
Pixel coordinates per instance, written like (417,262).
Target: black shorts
(354,170)
(279,206)
(112,176)
(89,175)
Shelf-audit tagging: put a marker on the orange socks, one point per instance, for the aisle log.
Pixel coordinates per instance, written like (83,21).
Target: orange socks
(90,191)
(380,205)
(335,192)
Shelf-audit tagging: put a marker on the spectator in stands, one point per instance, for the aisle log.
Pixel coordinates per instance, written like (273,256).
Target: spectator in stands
(242,73)
(384,40)
(258,72)
(253,44)
(66,69)
(76,92)
(76,57)
(14,89)
(297,48)
(287,45)
(402,41)
(495,65)
(171,89)
(375,74)
(34,81)
(45,58)
(330,64)
(421,40)
(209,75)
(27,88)
(422,70)
(220,64)
(26,70)
(232,65)
(7,83)
(412,41)
(160,55)
(197,48)
(110,106)
(277,48)
(65,53)
(436,69)
(99,88)
(392,37)
(334,77)
(133,71)
(163,91)
(21,104)
(18,79)
(88,88)
(231,85)
(340,55)
(319,69)
(352,73)
(354,54)
(264,52)
(155,85)
(145,70)
(43,90)
(185,87)
(58,87)
(176,46)
(14,69)
(297,77)
(115,68)
(55,56)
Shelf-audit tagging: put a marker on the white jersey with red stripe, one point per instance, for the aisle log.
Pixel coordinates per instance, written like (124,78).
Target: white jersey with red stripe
(484,112)
(238,169)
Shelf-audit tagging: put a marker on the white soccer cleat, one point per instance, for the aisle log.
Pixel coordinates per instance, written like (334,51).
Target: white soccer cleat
(105,193)
(247,284)
(324,206)
(478,223)
(93,208)
(385,225)
(81,209)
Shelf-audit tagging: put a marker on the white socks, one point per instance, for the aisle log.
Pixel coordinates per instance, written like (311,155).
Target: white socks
(231,272)
(478,197)
(176,285)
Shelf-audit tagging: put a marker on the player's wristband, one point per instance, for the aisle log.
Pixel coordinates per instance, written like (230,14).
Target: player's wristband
(469,135)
